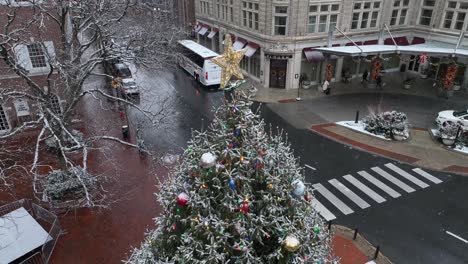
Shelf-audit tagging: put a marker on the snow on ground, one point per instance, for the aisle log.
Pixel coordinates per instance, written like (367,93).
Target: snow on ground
(360,127)
(460,148)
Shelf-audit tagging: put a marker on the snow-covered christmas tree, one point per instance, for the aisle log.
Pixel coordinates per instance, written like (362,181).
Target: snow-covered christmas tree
(238,196)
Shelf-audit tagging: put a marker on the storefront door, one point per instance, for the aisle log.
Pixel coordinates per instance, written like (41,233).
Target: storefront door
(414,63)
(278,69)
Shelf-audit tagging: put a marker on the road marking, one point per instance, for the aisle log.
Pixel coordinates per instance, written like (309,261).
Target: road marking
(322,210)
(427,175)
(376,197)
(333,199)
(457,237)
(310,167)
(394,180)
(379,184)
(407,175)
(348,193)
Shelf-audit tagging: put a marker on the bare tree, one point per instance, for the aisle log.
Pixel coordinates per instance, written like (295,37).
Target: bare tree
(87,34)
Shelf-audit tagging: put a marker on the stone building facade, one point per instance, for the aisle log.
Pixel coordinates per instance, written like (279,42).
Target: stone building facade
(281,34)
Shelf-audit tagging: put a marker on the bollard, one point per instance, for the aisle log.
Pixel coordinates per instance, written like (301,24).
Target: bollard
(357,117)
(125,132)
(355,234)
(329,225)
(377,250)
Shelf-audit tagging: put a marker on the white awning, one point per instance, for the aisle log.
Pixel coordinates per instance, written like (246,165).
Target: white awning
(197,28)
(212,34)
(430,50)
(239,44)
(203,30)
(251,49)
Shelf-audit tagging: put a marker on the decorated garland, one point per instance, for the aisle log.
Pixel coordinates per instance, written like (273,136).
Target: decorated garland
(423,58)
(450,76)
(328,72)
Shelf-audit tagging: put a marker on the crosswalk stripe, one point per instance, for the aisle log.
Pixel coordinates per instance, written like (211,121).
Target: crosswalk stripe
(379,184)
(394,180)
(348,193)
(427,175)
(376,197)
(407,175)
(333,199)
(322,210)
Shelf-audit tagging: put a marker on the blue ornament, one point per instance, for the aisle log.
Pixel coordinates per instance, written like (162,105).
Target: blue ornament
(232,184)
(237,132)
(298,188)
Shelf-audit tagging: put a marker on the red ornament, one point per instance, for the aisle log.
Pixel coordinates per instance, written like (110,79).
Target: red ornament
(308,198)
(231,145)
(245,208)
(182,199)
(262,152)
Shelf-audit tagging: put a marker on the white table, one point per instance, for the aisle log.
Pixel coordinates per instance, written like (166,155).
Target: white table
(19,235)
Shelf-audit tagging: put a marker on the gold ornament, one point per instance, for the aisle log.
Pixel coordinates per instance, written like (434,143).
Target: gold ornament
(291,243)
(229,62)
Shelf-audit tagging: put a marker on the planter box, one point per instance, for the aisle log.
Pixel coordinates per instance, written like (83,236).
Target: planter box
(398,137)
(448,141)
(407,86)
(456,87)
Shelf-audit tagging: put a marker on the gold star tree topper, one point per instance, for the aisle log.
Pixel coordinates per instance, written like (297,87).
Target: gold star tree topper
(229,62)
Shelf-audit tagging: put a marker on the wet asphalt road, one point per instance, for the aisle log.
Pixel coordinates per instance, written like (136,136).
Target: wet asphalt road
(409,229)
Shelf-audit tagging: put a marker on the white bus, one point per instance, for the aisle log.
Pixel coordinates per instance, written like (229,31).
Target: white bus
(195,59)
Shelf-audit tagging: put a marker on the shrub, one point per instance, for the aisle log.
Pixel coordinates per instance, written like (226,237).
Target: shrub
(387,124)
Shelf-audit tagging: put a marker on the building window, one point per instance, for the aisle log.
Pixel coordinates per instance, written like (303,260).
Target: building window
(322,17)
(37,55)
(280,20)
(205,7)
(455,14)
(365,14)
(426,12)
(225,10)
(250,15)
(4,126)
(400,10)
(55,104)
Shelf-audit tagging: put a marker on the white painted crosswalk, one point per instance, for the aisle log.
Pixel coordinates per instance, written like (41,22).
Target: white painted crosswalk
(379,183)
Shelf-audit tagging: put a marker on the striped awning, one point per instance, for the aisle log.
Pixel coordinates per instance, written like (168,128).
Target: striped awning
(239,43)
(212,33)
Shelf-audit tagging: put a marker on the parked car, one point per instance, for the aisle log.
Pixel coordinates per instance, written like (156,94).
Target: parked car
(119,71)
(456,117)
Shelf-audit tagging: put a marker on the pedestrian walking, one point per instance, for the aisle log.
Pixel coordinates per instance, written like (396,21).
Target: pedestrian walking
(326,87)
(379,82)
(364,76)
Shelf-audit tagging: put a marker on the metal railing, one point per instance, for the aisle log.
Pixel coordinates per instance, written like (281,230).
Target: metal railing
(41,215)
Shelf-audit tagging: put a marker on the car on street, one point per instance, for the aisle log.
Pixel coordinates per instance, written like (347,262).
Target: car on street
(121,73)
(456,117)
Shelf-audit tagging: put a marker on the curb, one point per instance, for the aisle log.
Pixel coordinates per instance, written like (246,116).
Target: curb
(361,243)
(320,130)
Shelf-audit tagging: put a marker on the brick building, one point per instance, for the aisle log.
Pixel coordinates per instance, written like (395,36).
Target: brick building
(281,35)
(33,49)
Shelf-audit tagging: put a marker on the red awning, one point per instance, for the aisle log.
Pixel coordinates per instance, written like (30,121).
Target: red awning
(335,45)
(371,42)
(418,40)
(251,49)
(359,43)
(400,41)
(313,56)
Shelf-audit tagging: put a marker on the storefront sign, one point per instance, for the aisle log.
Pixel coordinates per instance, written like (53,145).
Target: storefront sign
(22,107)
